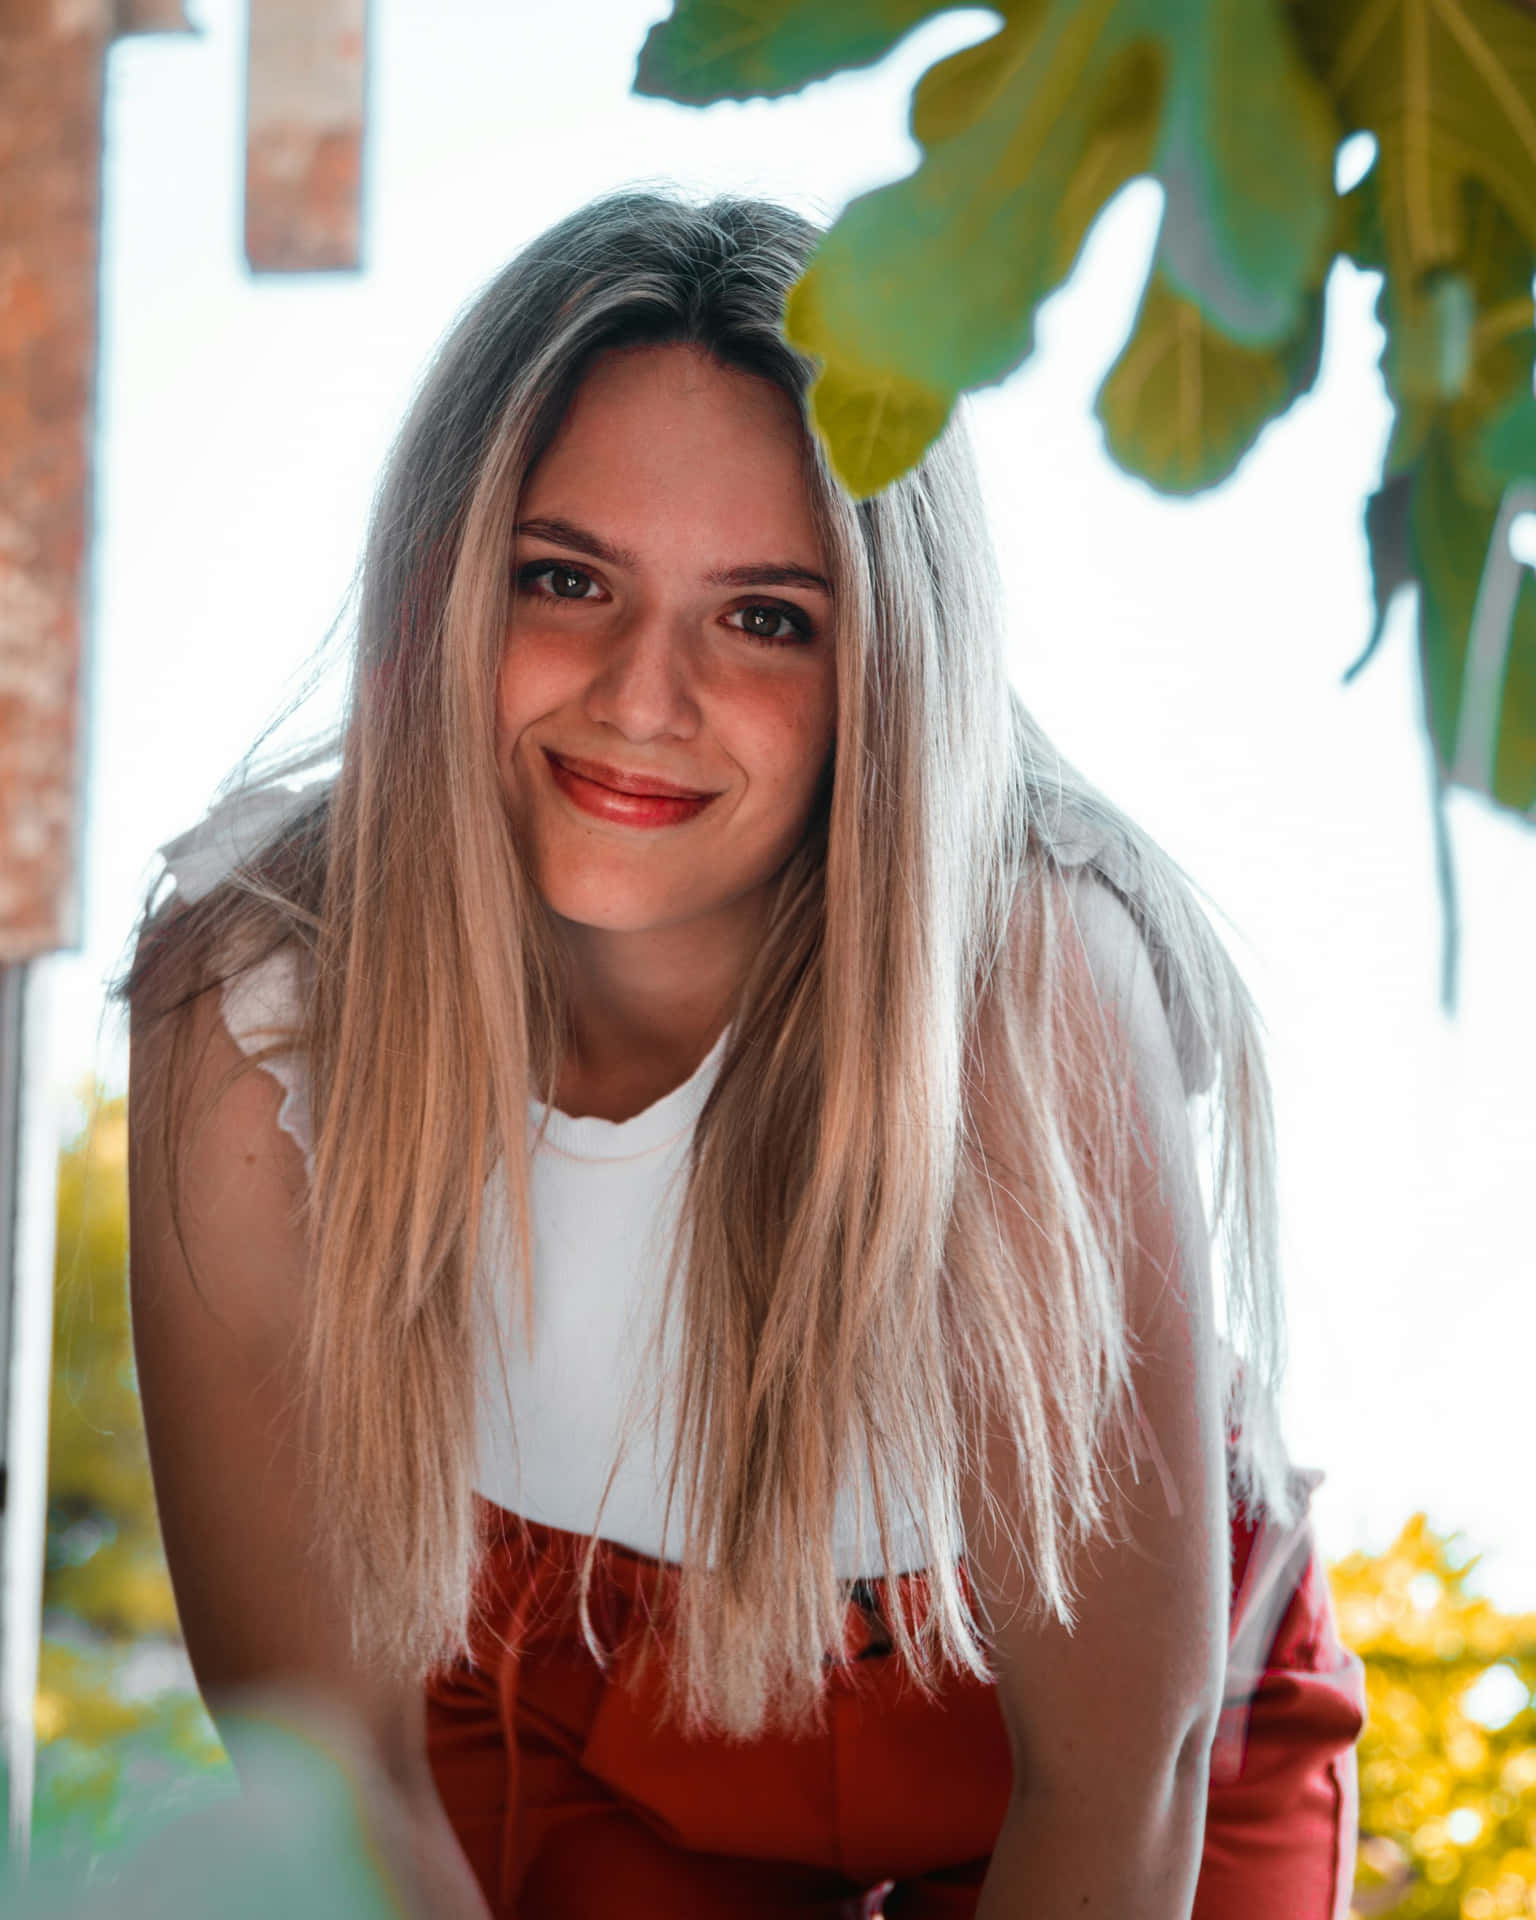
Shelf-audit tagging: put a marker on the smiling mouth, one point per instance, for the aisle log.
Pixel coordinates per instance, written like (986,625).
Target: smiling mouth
(639,786)
(617,805)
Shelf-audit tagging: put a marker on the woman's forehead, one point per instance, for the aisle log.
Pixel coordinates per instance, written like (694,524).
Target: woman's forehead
(683,378)
(660,431)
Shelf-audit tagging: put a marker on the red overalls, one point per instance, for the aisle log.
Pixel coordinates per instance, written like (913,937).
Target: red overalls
(571,1806)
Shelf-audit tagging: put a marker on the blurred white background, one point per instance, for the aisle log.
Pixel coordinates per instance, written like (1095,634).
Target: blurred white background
(1187,655)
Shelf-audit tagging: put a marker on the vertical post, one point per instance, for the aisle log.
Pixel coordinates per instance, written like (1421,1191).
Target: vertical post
(16,1761)
(28,1185)
(12,999)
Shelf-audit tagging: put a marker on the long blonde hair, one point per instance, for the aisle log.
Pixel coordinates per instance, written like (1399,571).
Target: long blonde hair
(845,1283)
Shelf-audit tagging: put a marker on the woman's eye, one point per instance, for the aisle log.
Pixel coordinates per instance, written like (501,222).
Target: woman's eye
(562,582)
(780,624)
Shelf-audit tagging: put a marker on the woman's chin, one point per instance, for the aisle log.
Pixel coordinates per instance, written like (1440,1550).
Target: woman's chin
(610,911)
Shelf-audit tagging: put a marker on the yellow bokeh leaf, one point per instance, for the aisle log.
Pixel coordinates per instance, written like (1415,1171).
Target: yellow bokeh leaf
(1183,403)
(873,423)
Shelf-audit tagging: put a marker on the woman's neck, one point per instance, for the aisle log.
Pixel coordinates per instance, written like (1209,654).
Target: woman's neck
(645,1010)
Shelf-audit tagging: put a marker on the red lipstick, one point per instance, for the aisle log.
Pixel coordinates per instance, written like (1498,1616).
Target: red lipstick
(643,800)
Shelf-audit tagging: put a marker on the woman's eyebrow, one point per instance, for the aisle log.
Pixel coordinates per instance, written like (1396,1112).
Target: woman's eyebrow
(565,533)
(769,573)
(759,573)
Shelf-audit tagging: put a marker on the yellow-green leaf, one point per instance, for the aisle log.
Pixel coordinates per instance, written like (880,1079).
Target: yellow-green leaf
(1182,404)
(874,428)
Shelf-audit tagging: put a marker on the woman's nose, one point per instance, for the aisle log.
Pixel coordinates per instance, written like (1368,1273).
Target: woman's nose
(643,684)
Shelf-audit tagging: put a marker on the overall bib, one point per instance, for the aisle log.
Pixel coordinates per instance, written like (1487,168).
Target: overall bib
(570,1804)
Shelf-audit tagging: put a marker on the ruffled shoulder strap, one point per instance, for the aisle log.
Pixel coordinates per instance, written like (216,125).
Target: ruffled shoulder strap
(263,1006)
(1099,852)
(231,833)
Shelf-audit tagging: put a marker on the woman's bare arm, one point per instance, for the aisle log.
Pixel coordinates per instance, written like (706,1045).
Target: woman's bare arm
(1111,1724)
(215,1348)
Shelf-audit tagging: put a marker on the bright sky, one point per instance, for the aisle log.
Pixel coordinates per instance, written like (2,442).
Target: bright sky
(1187,655)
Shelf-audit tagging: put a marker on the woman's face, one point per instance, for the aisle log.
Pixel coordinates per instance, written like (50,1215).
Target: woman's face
(671,629)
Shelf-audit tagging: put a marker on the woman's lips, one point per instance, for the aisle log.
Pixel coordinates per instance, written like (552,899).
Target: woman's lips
(629,809)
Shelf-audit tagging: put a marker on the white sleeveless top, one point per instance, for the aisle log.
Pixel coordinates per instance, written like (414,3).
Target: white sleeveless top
(605,1204)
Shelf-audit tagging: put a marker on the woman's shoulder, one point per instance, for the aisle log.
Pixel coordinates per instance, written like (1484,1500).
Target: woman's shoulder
(229,1053)
(215,1177)
(1111,901)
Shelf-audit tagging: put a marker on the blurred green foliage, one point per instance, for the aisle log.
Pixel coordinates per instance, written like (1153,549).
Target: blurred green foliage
(1447,1762)
(104,1559)
(123,1739)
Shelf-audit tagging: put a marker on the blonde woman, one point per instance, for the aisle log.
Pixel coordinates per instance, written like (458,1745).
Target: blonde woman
(670,1279)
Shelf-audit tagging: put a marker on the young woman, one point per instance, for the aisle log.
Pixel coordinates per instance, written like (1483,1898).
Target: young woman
(699,1337)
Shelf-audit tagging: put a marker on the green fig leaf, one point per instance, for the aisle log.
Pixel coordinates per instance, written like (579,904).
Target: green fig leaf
(1182,404)
(1507,445)
(1485,302)
(1458,363)
(1026,135)
(1451,536)
(1389,542)
(1514,771)
(1448,87)
(930,285)
(752,49)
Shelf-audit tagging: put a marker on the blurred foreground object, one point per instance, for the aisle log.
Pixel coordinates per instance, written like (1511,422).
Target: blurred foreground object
(1285,135)
(124,1742)
(300,1838)
(138,1809)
